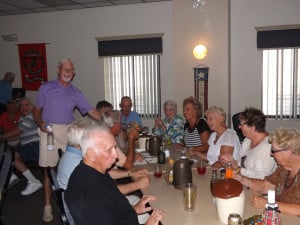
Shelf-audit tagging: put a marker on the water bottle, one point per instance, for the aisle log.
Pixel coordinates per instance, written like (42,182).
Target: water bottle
(271,214)
(50,138)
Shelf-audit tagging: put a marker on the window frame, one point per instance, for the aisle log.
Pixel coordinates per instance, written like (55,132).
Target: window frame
(115,98)
(293,101)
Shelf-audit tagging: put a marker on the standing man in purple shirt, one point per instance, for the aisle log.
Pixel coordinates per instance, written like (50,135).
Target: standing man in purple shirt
(56,101)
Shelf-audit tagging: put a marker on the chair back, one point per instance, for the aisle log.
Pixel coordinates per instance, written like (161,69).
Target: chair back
(6,159)
(236,126)
(58,194)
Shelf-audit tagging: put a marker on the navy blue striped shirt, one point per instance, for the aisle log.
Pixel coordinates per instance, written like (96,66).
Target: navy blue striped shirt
(192,138)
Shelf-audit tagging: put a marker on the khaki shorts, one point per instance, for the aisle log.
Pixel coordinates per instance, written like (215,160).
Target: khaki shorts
(50,158)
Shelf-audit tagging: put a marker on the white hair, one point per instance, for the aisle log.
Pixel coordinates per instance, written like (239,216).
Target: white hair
(109,118)
(63,60)
(88,137)
(216,109)
(76,130)
(172,104)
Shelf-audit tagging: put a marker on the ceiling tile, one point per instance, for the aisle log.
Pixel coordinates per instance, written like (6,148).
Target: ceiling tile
(19,11)
(88,1)
(124,2)
(14,7)
(26,3)
(4,7)
(63,7)
(45,9)
(98,4)
(55,3)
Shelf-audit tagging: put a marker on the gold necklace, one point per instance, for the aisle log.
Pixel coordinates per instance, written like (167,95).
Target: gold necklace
(292,181)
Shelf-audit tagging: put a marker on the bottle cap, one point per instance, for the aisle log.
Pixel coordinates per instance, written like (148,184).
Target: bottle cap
(271,196)
(50,147)
(49,127)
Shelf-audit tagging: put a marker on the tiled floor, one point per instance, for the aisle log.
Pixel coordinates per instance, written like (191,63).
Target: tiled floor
(20,210)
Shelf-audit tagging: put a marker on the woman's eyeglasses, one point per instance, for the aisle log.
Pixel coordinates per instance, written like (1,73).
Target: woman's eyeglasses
(274,151)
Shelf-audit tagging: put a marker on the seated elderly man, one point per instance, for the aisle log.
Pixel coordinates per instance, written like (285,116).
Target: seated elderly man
(103,106)
(9,121)
(72,157)
(28,150)
(129,117)
(92,196)
(112,120)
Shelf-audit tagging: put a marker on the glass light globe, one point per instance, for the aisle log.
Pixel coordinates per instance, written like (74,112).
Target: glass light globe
(200,52)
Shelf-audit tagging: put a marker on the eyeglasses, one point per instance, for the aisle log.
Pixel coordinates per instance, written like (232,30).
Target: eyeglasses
(66,70)
(274,151)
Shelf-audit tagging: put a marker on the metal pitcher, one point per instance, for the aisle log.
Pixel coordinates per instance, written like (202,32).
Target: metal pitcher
(182,172)
(153,145)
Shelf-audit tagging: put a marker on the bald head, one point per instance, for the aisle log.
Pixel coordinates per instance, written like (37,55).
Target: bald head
(98,148)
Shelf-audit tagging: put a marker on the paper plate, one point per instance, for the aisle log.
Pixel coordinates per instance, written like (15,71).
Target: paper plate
(151,160)
(140,150)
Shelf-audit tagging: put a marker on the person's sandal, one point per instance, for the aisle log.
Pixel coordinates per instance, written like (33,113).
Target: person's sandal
(48,215)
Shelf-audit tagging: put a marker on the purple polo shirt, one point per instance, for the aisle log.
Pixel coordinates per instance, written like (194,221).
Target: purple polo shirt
(58,102)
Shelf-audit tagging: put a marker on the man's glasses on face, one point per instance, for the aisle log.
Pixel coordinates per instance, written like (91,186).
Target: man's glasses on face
(274,151)
(66,70)
(126,106)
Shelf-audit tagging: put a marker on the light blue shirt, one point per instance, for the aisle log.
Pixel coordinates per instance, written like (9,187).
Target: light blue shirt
(70,159)
(132,117)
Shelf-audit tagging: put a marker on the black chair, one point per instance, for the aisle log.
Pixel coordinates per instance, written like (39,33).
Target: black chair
(236,126)
(6,159)
(58,194)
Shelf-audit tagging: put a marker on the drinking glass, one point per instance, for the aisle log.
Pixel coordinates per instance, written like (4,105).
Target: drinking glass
(157,171)
(145,131)
(201,168)
(228,170)
(189,197)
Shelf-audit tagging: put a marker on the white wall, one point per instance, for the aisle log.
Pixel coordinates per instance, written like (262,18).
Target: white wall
(73,33)
(210,26)
(245,58)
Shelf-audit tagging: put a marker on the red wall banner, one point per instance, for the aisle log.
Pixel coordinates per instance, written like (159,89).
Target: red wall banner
(33,65)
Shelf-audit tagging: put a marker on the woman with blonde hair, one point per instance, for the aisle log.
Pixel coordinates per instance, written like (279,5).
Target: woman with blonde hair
(196,130)
(222,141)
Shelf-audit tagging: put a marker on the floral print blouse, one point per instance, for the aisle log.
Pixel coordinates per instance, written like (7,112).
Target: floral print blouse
(174,129)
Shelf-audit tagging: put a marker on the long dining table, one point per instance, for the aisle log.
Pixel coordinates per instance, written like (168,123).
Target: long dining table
(170,200)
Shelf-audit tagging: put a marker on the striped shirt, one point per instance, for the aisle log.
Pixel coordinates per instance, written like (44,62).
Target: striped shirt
(192,138)
(29,128)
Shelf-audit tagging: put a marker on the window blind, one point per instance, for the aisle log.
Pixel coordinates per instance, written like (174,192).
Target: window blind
(130,47)
(278,38)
